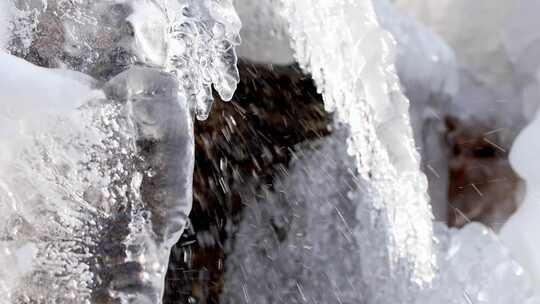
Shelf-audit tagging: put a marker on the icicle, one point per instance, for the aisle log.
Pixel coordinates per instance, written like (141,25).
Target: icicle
(204,36)
(351,60)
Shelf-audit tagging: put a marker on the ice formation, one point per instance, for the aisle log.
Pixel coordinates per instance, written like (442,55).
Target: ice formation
(427,71)
(95,173)
(474,267)
(203,53)
(426,67)
(96,170)
(297,245)
(77,187)
(5,18)
(517,234)
(195,40)
(359,83)
(494,53)
(499,78)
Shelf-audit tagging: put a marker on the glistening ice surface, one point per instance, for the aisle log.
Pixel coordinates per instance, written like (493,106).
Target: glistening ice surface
(97,162)
(97,157)
(359,83)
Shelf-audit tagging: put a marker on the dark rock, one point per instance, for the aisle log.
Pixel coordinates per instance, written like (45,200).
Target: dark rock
(243,144)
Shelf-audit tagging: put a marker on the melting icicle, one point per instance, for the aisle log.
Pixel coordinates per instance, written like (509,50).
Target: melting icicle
(350,59)
(202,51)
(517,233)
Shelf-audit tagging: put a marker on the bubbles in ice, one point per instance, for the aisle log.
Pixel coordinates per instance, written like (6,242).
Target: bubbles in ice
(203,49)
(195,40)
(48,168)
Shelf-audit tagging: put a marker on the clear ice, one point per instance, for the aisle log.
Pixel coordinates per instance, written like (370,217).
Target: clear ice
(96,125)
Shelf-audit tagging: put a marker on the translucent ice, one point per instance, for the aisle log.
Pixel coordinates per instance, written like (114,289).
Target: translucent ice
(264,32)
(425,64)
(300,242)
(518,233)
(296,244)
(100,187)
(193,39)
(351,60)
(428,72)
(473,267)
(97,164)
(202,52)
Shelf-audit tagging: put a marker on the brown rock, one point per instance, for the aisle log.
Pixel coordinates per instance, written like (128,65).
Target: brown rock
(482,183)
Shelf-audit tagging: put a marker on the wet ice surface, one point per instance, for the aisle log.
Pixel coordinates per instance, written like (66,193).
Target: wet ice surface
(96,169)
(95,190)
(100,192)
(202,51)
